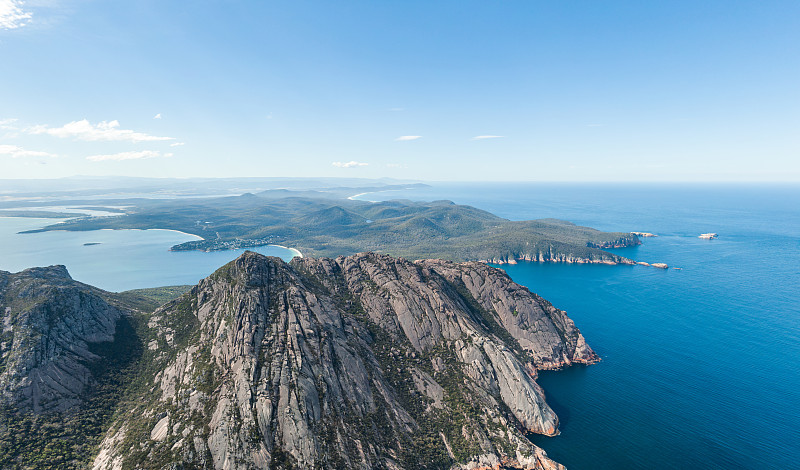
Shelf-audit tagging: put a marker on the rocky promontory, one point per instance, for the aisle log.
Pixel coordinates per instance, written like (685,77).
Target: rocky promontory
(365,361)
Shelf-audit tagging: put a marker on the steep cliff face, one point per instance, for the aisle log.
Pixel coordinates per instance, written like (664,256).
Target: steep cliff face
(556,257)
(48,324)
(363,362)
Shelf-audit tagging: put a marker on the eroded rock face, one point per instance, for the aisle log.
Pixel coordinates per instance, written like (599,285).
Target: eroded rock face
(48,322)
(360,362)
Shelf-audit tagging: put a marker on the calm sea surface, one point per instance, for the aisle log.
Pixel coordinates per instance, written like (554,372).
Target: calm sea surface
(701,366)
(122,259)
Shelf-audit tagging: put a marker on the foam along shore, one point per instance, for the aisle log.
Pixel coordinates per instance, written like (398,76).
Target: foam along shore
(708,236)
(644,234)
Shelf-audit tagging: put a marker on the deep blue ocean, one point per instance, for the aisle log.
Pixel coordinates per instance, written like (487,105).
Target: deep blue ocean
(701,366)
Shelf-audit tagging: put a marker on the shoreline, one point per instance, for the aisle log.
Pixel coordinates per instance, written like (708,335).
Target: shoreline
(132,229)
(296,252)
(354,196)
(162,229)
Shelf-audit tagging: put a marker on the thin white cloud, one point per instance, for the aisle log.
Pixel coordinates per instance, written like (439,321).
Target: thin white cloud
(7,123)
(482,137)
(86,131)
(157,116)
(177,144)
(129,156)
(403,138)
(18,152)
(12,15)
(350,164)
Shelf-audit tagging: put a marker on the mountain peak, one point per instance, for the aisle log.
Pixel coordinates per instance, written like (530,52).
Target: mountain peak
(56,271)
(365,361)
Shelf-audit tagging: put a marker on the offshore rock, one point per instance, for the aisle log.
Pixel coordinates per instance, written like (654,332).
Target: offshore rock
(364,362)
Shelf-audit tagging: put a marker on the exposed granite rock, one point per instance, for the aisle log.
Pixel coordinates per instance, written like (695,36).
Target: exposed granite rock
(48,322)
(624,241)
(362,362)
(549,257)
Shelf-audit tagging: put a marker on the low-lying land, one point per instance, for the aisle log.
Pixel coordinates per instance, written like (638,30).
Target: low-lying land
(332,227)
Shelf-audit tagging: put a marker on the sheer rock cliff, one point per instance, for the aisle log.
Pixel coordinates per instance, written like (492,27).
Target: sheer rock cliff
(365,361)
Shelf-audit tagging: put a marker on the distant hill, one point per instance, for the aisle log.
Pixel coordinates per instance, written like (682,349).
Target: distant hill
(333,227)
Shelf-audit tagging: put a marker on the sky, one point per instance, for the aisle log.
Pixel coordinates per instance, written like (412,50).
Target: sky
(431,90)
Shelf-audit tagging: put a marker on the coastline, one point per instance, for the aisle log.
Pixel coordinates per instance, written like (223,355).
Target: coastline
(354,196)
(293,250)
(198,237)
(165,230)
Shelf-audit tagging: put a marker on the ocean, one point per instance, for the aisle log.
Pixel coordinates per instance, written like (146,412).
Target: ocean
(700,365)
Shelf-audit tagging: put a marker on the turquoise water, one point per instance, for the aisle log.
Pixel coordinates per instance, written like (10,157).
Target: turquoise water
(700,365)
(123,259)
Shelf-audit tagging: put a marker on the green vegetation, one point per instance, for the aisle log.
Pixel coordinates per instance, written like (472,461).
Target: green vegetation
(122,376)
(333,227)
(68,440)
(148,300)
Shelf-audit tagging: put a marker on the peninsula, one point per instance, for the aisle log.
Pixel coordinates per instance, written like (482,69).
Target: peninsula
(339,226)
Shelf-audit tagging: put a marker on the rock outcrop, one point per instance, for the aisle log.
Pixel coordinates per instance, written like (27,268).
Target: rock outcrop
(364,361)
(624,241)
(48,323)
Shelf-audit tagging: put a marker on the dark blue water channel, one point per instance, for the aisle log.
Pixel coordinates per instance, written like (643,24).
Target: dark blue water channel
(700,365)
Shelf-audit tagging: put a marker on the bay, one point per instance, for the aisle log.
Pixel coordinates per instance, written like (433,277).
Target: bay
(114,260)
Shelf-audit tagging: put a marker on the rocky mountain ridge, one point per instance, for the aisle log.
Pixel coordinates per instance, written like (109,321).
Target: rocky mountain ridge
(48,321)
(365,361)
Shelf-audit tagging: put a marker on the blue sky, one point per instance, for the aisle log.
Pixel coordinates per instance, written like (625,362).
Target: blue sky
(436,90)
